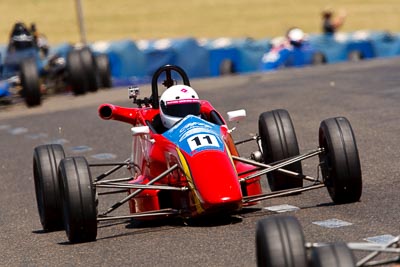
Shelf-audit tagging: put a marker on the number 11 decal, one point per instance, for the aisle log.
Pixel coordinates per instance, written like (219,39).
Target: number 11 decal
(202,140)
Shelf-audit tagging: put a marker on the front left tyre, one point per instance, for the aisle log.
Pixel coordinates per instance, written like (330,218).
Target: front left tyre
(280,242)
(79,200)
(46,159)
(279,142)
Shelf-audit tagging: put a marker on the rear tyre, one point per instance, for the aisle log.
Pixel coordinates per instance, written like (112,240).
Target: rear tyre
(89,66)
(80,209)
(279,142)
(76,73)
(280,242)
(338,255)
(29,76)
(103,71)
(340,163)
(46,159)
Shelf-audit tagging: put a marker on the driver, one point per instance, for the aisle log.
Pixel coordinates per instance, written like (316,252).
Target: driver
(295,37)
(177,102)
(20,37)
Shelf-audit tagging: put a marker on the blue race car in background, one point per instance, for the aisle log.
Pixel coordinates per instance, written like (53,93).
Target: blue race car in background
(291,51)
(28,70)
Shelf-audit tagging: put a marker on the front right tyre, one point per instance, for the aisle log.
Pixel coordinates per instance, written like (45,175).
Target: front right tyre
(340,163)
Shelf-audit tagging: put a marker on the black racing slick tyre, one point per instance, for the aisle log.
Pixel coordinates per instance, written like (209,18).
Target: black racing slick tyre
(340,163)
(79,200)
(30,82)
(279,142)
(76,73)
(337,255)
(103,71)
(90,69)
(46,159)
(280,242)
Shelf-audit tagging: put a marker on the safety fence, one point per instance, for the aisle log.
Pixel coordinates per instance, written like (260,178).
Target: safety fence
(134,61)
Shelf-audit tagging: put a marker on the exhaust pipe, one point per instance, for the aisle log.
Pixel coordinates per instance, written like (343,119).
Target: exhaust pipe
(112,112)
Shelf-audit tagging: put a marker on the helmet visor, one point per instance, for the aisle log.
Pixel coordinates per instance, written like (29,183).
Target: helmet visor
(181,108)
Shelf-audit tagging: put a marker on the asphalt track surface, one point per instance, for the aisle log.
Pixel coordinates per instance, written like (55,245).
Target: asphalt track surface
(367,93)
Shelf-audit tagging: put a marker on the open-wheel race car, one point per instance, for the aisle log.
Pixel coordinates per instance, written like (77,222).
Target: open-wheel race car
(25,75)
(29,73)
(280,242)
(190,166)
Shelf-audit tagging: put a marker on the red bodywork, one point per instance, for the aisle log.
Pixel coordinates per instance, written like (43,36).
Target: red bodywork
(211,176)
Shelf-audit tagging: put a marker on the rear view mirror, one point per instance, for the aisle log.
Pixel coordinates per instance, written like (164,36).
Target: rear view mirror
(140,130)
(236,115)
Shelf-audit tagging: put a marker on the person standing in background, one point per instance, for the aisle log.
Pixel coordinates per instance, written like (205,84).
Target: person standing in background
(330,24)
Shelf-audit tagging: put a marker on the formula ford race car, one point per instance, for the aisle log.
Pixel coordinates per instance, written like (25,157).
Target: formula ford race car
(191,170)
(29,73)
(280,243)
(25,75)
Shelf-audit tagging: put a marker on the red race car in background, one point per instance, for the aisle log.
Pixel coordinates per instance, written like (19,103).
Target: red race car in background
(192,169)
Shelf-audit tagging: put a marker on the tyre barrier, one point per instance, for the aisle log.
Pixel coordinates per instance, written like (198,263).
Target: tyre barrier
(135,61)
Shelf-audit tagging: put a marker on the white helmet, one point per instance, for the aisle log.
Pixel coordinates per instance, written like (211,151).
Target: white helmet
(296,36)
(177,102)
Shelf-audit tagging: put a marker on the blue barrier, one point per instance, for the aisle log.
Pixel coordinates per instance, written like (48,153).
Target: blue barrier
(176,51)
(157,53)
(385,44)
(135,62)
(341,47)
(61,49)
(193,58)
(242,55)
(221,51)
(126,59)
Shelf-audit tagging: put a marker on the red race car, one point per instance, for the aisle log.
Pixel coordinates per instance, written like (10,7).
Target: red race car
(185,163)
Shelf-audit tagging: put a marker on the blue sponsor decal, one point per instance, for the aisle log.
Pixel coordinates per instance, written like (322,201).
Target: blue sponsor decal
(194,135)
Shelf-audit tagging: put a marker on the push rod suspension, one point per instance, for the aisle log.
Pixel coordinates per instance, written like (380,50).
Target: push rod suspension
(261,165)
(246,140)
(281,193)
(113,181)
(107,173)
(285,163)
(161,212)
(142,186)
(133,194)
